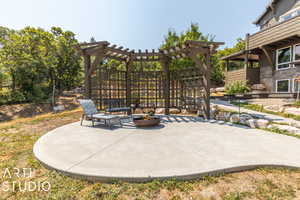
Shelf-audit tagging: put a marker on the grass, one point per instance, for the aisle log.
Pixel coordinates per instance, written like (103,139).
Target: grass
(17,138)
(260,108)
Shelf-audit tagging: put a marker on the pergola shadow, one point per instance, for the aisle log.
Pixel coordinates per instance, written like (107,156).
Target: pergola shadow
(169,119)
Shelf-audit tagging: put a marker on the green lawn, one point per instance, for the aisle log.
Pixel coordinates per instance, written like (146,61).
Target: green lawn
(18,136)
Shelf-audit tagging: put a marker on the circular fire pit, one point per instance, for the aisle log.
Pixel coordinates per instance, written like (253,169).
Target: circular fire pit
(146,121)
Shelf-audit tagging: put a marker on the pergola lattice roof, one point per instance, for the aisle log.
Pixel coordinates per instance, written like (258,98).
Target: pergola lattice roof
(121,54)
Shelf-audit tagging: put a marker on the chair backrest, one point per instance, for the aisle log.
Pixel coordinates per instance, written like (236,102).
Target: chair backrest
(89,108)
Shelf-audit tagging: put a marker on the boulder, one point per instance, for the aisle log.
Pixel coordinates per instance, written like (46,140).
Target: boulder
(273,108)
(242,118)
(212,90)
(59,108)
(184,111)
(292,110)
(160,111)
(258,123)
(235,118)
(223,116)
(138,111)
(174,111)
(220,89)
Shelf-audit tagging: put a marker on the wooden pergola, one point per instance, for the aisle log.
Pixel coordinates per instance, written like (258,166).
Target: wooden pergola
(94,53)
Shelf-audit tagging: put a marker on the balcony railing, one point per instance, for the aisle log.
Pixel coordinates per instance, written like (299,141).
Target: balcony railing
(251,76)
(280,31)
(235,75)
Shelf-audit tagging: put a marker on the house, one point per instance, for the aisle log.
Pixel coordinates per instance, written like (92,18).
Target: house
(272,55)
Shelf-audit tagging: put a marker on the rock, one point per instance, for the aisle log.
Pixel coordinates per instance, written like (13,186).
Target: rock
(174,111)
(223,116)
(243,101)
(220,89)
(292,110)
(212,90)
(235,118)
(270,126)
(259,87)
(214,111)
(288,128)
(184,111)
(221,122)
(242,118)
(295,124)
(138,111)
(273,108)
(160,111)
(59,108)
(258,123)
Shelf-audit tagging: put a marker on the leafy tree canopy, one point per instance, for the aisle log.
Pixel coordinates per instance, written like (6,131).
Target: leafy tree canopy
(38,60)
(239,46)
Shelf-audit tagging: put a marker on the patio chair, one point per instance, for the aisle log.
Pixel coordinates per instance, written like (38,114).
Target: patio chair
(116,105)
(90,111)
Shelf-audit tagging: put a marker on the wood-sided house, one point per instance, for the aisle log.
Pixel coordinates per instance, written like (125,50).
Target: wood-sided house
(272,55)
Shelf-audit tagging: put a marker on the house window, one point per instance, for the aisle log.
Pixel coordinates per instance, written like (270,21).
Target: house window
(296,85)
(297,53)
(290,15)
(283,85)
(284,57)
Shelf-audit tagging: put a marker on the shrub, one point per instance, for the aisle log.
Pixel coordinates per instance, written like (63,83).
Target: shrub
(17,97)
(296,104)
(7,96)
(4,96)
(238,87)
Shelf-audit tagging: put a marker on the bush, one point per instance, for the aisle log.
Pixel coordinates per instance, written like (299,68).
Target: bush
(17,97)
(296,104)
(7,96)
(4,95)
(238,87)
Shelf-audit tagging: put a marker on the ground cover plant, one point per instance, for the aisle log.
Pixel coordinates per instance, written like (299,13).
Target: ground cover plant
(260,108)
(18,136)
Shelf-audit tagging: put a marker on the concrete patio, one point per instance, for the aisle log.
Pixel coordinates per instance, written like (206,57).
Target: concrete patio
(181,147)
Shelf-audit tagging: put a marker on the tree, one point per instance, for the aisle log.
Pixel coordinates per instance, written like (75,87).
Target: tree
(37,60)
(192,33)
(219,65)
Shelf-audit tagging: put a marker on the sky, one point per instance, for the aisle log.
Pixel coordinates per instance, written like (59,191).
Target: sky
(135,24)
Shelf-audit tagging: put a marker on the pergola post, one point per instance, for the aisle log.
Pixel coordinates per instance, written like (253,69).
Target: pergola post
(206,84)
(204,68)
(87,79)
(128,83)
(165,62)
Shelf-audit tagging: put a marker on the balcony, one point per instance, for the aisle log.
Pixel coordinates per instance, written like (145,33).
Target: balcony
(249,75)
(280,33)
